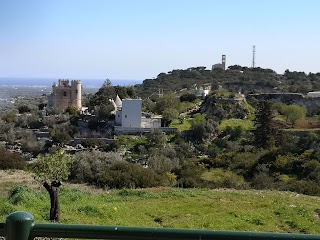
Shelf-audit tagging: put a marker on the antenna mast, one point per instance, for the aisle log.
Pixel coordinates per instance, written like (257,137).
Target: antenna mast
(253,56)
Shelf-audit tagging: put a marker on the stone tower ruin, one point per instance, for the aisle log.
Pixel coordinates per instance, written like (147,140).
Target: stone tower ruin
(65,95)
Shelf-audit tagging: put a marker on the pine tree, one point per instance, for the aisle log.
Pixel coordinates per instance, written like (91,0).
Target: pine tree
(265,131)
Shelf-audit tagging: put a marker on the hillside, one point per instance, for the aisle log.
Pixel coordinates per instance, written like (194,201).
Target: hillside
(236,78)
(220,209)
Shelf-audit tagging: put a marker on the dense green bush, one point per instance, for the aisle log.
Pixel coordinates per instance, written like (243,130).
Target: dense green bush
(109,170)
(219,178)
(189,174)
(89,164)
(299,186)
(24,109)
(262,180)
(94,142)
(188,97)
(127,175)
(9,160)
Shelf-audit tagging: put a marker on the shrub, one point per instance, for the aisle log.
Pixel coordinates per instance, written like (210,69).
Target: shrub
(127,175)
(299,186)
(168,115)
(189,175)
(9,160)
(109,170)
(24,109)
(73,110)
(262,180)
(219,178)
(18,194)
(93,142)
(61,137)
(160,163)
(188,97)
(188,182)
(87,165)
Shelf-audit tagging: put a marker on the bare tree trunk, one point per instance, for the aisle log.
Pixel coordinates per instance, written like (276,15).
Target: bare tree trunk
(54,190)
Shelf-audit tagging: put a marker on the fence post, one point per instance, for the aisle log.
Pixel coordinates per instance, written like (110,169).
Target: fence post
(18,226)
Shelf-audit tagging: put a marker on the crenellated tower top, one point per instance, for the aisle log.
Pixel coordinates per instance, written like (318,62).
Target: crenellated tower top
(66,93)
(76,82)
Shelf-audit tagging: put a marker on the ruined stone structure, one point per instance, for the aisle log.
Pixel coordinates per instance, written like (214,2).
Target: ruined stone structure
(65,95)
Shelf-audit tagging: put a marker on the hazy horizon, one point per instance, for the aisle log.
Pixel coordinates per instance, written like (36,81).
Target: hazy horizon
(48,82)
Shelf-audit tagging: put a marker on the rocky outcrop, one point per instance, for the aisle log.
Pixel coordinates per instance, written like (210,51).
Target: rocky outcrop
(221,107)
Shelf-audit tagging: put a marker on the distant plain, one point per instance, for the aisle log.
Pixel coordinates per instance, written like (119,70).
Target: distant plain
(13,88)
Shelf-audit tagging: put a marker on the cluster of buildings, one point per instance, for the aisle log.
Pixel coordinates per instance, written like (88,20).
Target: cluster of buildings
(129,118)
(67,93)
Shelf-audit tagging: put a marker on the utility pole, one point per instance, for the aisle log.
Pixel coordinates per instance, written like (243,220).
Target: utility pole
(253,56)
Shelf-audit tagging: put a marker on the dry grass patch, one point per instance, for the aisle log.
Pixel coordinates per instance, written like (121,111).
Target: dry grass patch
(9,178)
(307,123)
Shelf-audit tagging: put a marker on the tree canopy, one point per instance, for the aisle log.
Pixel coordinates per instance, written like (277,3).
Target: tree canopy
(50,170)
(235,78)
(52,167)
(265,129)
(294,113)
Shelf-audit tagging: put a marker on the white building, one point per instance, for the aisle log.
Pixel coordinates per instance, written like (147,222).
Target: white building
(315,94)
(202,91)
(148,121)
(129,117)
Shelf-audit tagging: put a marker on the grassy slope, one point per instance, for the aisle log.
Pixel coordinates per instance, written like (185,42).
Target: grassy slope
(246,124)
(181,126)
(177,208)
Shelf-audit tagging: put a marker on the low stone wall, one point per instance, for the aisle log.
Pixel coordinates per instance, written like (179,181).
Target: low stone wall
(127,130)
(79,140)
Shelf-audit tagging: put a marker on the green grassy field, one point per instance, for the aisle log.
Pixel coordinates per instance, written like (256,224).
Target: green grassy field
(221,209)
(246,124)
(181,126)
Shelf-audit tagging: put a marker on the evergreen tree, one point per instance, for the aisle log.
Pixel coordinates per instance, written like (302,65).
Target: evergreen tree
(265,128)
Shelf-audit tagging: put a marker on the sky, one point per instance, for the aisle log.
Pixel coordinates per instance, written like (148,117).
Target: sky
(138,39)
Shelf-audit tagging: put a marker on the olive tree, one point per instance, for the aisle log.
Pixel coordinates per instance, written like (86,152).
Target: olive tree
(294,112)
(50,170)
(168,115)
